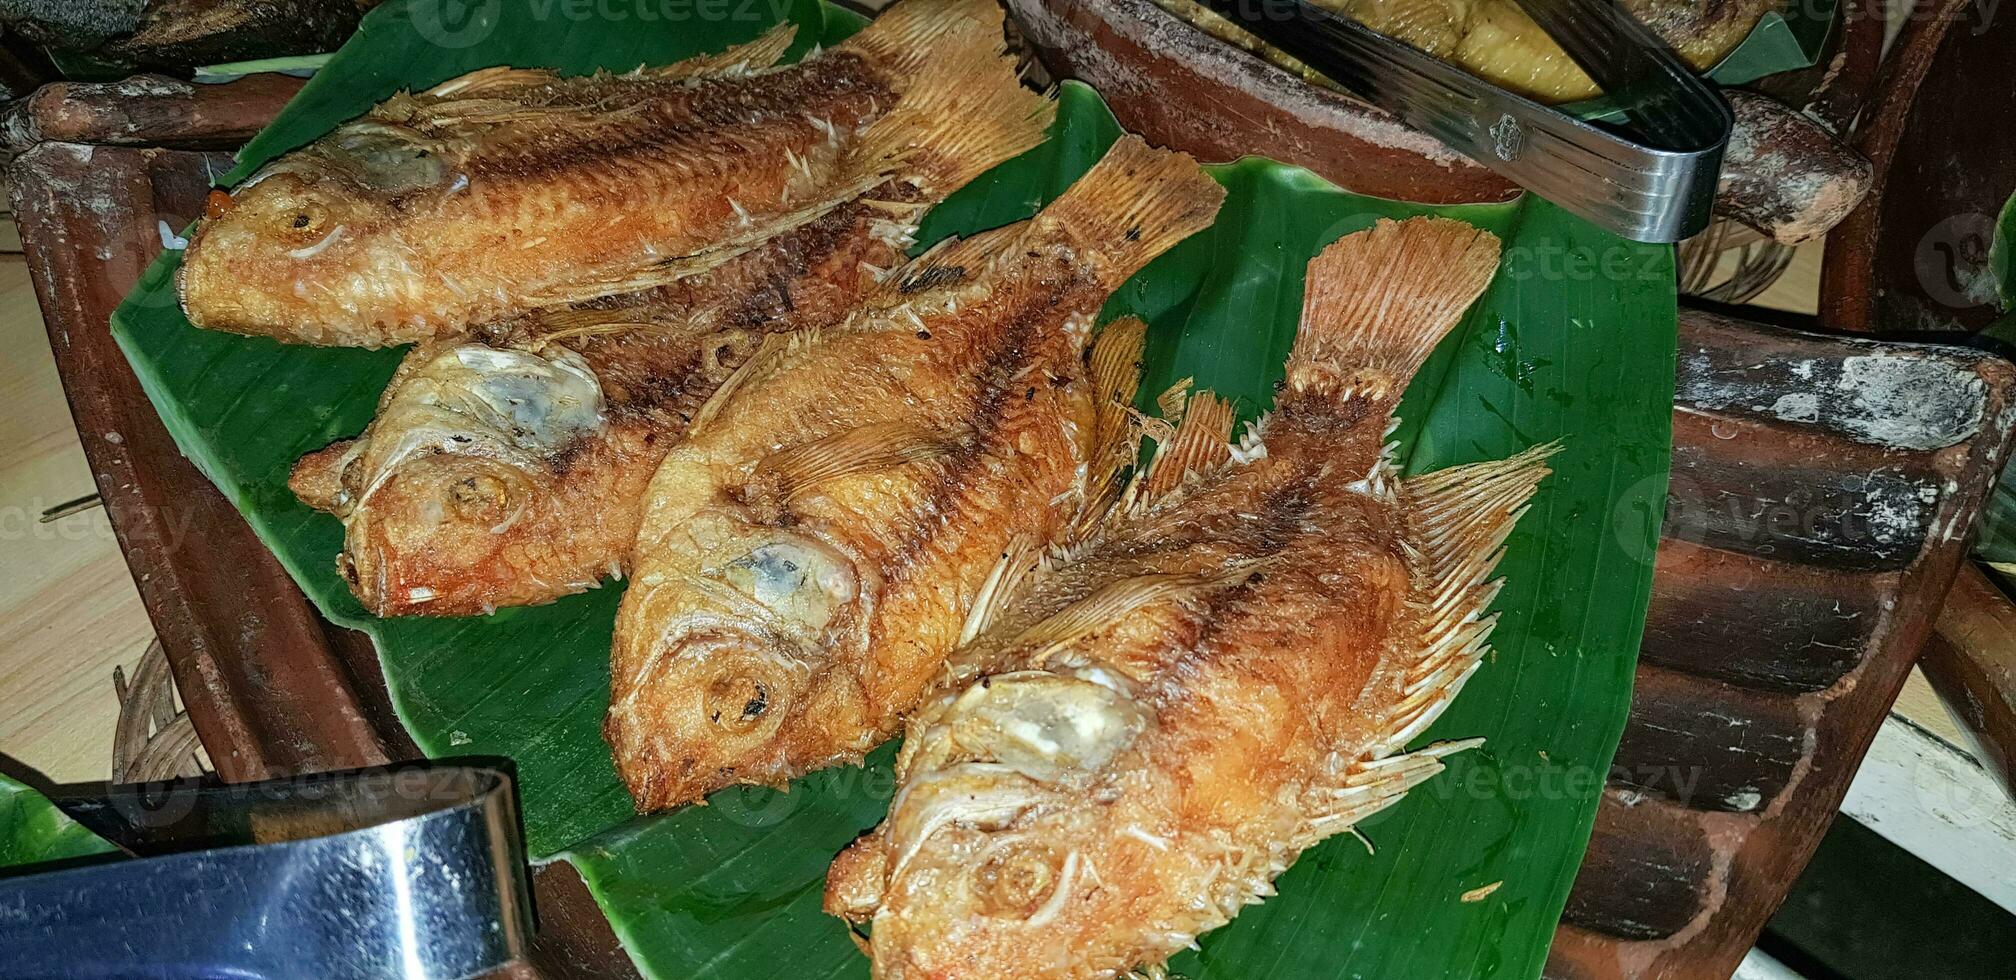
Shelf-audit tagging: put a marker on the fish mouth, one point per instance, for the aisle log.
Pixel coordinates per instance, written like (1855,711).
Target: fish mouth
(708,712)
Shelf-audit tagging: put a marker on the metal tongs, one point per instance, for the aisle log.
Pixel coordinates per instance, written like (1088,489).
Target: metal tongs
(1651,182)
(384,874)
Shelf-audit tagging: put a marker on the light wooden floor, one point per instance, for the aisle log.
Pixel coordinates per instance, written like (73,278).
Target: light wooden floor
(68,609)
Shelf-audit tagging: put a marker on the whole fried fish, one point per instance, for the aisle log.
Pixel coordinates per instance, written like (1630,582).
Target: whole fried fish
(809,552)
(507,190)
(509,468)
(1151,727)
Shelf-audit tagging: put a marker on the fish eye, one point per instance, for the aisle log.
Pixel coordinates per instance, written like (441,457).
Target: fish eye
(738,702)
(1017,879)
(479,498)
(306,220)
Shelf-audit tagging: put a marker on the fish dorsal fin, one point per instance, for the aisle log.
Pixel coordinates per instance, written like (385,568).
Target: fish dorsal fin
(499,80)
(740,59)
(1202,442)
(863,449)
(1458,519)
(1115,601)
(765,359)
(1173,400)
(1115,441)
(952,263)
(1379,300)
(491,82)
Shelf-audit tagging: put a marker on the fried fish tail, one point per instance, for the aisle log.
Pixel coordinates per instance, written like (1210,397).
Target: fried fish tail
(1377,303)
(1134,204)
(964,109)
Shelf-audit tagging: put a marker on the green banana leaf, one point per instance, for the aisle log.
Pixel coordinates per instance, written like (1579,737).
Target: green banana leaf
(1786,40)
(33,831)
(1575,340)
(1997,541)
(1780,41)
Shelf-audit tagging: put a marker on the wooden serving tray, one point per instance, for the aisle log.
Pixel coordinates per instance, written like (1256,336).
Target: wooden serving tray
(1774,646)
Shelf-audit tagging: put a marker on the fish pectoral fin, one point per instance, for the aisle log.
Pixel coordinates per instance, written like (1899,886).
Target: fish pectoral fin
(1202,442)
(740,59)
(654,273)
(1115,601)
(863,449)
(1002,585)
(765,359)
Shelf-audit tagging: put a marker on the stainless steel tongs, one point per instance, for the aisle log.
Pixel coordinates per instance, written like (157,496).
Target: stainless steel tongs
(1653,181)
(408,873)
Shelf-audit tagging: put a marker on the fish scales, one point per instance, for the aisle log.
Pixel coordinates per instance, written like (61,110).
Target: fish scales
(461,523)
(809,552)
(450,508)
(456,527)
(511,190)
(1162,717)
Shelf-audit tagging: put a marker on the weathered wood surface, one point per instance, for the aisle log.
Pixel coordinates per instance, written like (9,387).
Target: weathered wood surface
(1914,255)
(1786,175)
(147,110)
(271,687)
(1971,661)
(179,35)
(1821,495)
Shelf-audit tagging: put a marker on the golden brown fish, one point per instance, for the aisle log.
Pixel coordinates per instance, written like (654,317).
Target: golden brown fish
(509,468)
(809,552)
(507,190)
(1153,726)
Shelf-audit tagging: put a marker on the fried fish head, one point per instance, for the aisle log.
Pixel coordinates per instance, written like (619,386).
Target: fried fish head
(741,615)
(989,862)
(312,248)
(991,874)
(458,470)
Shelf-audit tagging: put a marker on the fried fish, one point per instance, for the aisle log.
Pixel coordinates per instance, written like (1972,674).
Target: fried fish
(1149,728)
(508,468)
(809,553)
(508,190)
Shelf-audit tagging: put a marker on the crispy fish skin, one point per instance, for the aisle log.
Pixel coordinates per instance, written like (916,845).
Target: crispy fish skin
(508,190)
(449,513)
(1159,721)
(809,552)
(453,512)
